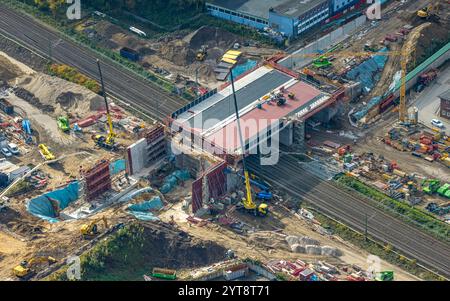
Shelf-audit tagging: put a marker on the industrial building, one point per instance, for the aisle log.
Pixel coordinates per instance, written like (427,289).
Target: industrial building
(271,101)
(445,104)
(291,18)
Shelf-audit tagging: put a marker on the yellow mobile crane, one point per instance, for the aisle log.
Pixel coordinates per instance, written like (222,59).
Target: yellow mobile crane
(107,142)
(25,269)
(247,203)
(403,116)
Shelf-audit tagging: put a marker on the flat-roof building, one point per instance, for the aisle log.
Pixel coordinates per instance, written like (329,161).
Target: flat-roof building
(289,17)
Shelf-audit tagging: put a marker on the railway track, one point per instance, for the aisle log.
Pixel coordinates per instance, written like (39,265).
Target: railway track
(352,210)
(132,90)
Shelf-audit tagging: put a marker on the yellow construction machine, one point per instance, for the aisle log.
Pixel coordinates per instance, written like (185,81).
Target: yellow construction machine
(248,204)
(91,229)
(427,12)
(107,142)
(201,53)
(25,269)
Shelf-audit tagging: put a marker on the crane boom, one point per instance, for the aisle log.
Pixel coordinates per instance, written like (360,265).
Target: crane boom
(111,134)
(248,202)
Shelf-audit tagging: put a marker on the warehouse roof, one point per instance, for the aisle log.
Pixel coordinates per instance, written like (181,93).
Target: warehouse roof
(260,8)
(296,8)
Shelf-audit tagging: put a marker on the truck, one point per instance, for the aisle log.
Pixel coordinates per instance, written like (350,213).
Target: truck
(6,107)
(130,54)
(164,274)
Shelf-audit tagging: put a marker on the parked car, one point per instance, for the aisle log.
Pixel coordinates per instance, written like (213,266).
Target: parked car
(14,149)
(437,123)
(5,151)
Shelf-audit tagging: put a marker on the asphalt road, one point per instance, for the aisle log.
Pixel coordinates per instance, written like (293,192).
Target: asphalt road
(124,85)
(350,209)
(156,103)
(428,101)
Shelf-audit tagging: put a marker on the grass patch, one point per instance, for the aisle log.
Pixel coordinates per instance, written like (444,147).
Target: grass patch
(414,215)
(72,75)
(117,258)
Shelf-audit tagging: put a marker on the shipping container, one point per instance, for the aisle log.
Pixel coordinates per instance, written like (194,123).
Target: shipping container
(6,107)
(130,54)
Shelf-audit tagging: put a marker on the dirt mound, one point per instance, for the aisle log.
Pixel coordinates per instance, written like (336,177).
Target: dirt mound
(8,71)
(16,222)
(211,36)
(173,248)
(178,52)
(55,95)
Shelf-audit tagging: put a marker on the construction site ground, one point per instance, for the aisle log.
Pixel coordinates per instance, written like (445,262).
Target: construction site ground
(173,55)
(267,242)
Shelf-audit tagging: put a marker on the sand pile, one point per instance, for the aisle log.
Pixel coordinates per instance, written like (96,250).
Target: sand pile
(304,244)
(62,95)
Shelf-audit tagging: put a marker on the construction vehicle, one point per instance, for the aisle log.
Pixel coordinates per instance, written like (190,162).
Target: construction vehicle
(164,274)
(107,142)
(201,53)
(91,229)
(25,270)
(247,203)
(444,190)
(63,123)
(320,60)
(385,276)
(430,186)
(428,11)
(46,153)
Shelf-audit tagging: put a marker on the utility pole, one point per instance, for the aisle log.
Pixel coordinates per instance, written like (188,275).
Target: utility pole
(365,228)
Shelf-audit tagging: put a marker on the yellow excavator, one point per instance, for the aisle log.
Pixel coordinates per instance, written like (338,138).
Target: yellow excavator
(107,142)
(25,269)
(91,229)
(428,12)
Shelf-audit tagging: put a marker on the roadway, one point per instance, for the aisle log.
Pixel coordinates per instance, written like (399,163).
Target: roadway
(428,101)
(153,101)
(352,209)
(131,89)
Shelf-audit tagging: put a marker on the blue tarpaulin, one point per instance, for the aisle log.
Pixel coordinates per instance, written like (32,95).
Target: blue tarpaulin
(372,103)
(172,180)
(117,166)
(42,205)
(143,211)
(368,72)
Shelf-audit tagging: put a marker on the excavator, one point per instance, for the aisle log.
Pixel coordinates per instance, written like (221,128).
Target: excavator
(107,142)
(25,269)
(91,229)
(202,53)
(429,11)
